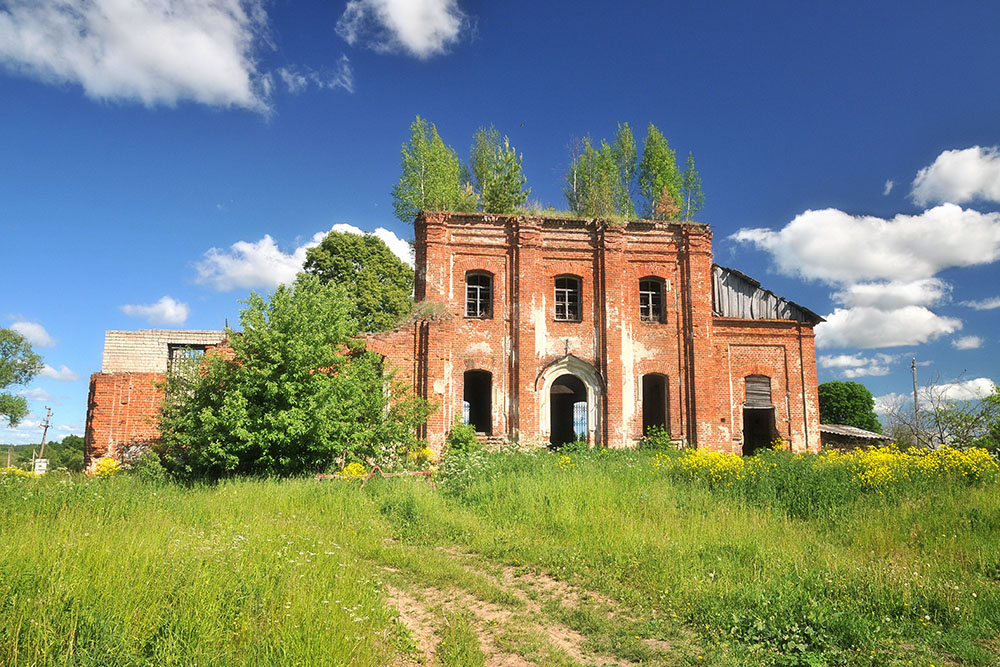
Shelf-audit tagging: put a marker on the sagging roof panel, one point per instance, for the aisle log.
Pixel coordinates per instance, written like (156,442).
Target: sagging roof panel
(735,294)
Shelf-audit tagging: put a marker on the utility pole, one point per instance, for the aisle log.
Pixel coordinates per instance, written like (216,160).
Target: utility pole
(916,403)
(45,430)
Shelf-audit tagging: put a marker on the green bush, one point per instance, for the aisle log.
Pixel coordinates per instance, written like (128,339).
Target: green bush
(657,440)
(462,439)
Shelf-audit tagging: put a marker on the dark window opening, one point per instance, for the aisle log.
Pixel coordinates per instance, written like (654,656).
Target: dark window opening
(478,295)
(477,407)
(568,298)
(568,410)
(184,358)
(651,300)
(655,402)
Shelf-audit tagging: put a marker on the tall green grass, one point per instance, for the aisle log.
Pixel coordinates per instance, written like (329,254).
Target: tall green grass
(794,569)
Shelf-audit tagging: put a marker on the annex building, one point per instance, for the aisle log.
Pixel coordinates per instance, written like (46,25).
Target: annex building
(545,330)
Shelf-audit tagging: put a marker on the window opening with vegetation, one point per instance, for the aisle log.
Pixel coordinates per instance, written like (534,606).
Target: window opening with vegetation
(655,402)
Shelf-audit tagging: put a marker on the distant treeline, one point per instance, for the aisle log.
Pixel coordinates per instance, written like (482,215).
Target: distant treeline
(66,454)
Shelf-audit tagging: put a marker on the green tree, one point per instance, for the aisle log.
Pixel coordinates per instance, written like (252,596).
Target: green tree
(18,365)
(496,171)
(694,197)
(658,176)
(379,284)
(848,403)
(297,394)
(431,175)
(626,159)
(592,183)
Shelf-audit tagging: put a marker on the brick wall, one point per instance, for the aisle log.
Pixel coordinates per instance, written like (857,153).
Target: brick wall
(124,398)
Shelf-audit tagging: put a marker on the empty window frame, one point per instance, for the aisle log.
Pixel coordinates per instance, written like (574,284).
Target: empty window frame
(651,300)
(478,294)
(184,359)
(568,298)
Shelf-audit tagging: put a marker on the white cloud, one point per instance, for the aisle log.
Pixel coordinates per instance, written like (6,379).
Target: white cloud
(960,176)
(421,28)
(968,390)
(836,247)
(165,311)
(894,294)
(889,184)
(151,51)
(868,327)
(984,304)
(297,81)
(856,365)
(63,374)
(34,333)
(247,264)
(36,394)
(967,343)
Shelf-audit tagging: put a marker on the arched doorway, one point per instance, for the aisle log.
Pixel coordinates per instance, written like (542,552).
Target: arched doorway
(568,410)
(477,396)
(586,405)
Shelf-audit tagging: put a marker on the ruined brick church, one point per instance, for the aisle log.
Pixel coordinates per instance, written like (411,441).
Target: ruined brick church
(545,330)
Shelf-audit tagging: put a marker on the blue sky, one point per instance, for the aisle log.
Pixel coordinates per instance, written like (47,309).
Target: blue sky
(161,158)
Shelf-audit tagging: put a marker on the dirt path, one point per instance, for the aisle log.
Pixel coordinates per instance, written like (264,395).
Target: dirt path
(529,628)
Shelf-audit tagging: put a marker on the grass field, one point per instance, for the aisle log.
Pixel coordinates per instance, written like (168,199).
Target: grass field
(597,558)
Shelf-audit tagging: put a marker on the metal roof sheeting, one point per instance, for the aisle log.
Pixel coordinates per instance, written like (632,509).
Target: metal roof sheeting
(735,294)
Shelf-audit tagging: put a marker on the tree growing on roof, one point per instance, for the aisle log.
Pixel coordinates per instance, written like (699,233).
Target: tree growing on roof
(18,365)
(296,395)
(376,282)
(496,172)
(694,197)
(431,178)
(848,403)
(659,180)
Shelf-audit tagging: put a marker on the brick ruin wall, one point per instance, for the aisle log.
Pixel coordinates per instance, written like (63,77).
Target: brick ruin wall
(124,398)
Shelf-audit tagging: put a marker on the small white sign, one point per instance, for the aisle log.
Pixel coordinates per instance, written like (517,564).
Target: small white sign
(41,466)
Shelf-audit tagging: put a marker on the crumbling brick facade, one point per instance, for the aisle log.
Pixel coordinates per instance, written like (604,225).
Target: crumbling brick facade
(685,366)
(125,396)
(545,330)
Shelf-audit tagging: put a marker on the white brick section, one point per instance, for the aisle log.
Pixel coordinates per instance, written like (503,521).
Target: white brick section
(145,351)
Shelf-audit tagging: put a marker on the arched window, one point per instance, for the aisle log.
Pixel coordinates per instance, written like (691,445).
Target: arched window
(651,300)
(479,294)
(568,298)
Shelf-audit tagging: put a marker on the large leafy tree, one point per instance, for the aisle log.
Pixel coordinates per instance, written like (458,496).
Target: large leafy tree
(496,171)
(374,279)
(18,365)
(659,178)
(626,161)
(848,403)
(431,176)
(295,394)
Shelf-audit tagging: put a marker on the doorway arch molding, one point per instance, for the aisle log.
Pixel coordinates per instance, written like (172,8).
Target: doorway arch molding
(570,365)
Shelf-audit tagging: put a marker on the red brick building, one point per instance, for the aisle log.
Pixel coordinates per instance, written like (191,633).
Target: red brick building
(553,329)
(545,330)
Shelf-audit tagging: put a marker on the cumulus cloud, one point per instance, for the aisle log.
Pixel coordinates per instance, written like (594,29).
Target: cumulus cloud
(36,394)
(836,247)
(984,304)
(936,394)
(894,294)
(34,333)
(421,28)
(967,343)
(246,264)
(884,268)
(868,327)
(960,176)
(298,80)
(857,365)
(165,311)
(63,374)
(151,51)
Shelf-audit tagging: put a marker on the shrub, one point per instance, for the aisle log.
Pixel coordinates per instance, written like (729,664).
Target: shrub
(462,439)
(148,467)
(657,440)
(575,447)
(107,466)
